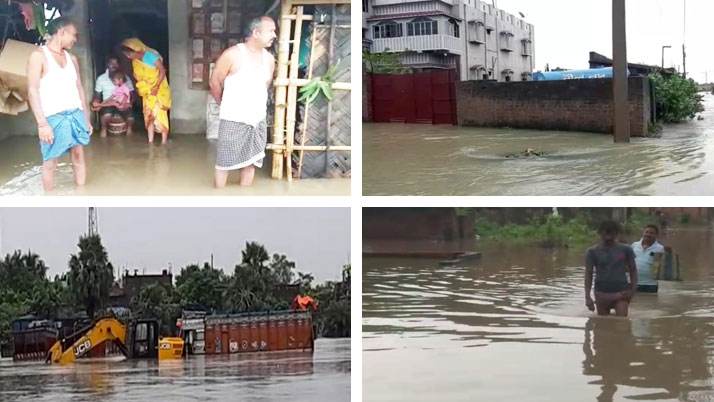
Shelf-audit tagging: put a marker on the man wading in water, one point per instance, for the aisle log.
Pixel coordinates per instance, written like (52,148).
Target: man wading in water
(648,257)
(58,102)
(611,261)
(240,85)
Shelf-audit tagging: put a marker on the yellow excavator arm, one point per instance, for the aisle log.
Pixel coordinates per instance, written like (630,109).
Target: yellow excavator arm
(106,329)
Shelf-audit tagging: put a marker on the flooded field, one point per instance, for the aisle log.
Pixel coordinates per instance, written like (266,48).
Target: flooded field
(445,160)
(514,327)
(259,377)
(130,166)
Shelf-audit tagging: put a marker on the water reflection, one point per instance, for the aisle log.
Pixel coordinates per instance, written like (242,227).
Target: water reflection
(276,376)
(517,320)
(446,160)
(130,166)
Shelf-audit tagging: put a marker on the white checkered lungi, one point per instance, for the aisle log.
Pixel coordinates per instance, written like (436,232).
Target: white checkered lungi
(240,145)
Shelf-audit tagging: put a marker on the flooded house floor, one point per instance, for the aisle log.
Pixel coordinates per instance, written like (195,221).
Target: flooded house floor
(409,159)
(131,166)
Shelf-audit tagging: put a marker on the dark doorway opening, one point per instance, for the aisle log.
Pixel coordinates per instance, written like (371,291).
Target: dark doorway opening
(112,21)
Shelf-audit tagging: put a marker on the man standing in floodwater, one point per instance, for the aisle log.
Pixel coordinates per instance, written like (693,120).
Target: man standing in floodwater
(58,102)
(648,258)
(611,261)
(239,84)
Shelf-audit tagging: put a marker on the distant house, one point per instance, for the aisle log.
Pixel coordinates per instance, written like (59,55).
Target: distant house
(132,285)
(599,61)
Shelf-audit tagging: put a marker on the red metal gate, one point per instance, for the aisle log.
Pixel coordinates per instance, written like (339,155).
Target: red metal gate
(415,98)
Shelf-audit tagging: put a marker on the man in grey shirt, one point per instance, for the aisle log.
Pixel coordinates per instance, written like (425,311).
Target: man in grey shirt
(611,261)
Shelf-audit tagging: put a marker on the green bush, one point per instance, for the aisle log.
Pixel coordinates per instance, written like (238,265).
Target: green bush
(550,231)
(676,98)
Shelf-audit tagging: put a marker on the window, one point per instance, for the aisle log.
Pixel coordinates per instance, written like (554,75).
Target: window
(365,6)
(454,28)
(388,29)
(422,26)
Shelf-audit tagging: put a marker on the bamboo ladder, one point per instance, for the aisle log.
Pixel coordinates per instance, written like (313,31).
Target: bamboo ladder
(287,84)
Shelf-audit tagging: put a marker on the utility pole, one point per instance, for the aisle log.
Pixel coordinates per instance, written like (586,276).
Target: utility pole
(619,79)
(684,40)
(93,229)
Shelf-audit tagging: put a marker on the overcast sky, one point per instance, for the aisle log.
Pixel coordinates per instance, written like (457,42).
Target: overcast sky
(317,239)
(567,30)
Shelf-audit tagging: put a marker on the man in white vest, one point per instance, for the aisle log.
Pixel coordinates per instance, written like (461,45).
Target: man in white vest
(58,102)
(648,258)
(239,84)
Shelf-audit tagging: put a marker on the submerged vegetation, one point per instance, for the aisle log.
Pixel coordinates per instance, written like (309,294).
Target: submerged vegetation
(557,230)
(676,97)
(253,286)
(550,231)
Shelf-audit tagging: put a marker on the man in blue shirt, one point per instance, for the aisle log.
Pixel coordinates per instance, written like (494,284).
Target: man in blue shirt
(103,90)
(648,258)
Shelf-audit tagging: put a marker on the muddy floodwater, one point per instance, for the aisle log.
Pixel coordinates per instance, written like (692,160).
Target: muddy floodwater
(514,327)
(289,376)
(130,166)
(432,160)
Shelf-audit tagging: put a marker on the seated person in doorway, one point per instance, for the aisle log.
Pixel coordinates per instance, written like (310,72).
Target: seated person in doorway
(103,91)
(610,261)
(648,258)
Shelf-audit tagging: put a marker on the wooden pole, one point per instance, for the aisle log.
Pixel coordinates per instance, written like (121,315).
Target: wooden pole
(619,81)
(313,41)
(281,91)
(331,57)
(292,95)
(301,82)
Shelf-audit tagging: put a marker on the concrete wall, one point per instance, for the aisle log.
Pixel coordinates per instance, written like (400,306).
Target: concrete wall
(366,97)
(24,123)
(188,111)
(574,105)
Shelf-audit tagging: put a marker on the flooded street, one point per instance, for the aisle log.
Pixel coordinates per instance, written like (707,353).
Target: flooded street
(282,376)
(446,160)
(514,327)
(130,166)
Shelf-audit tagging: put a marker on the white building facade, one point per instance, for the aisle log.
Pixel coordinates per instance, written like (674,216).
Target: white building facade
(471,36)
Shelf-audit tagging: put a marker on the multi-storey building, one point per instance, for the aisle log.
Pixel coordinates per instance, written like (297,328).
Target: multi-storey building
(471,36)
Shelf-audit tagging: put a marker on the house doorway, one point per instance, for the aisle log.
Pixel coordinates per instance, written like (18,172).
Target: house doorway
(113,21)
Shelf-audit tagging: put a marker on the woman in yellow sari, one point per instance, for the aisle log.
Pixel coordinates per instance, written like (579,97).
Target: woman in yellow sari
(152,85)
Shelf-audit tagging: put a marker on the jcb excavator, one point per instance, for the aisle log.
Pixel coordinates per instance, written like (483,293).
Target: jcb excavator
(138,339)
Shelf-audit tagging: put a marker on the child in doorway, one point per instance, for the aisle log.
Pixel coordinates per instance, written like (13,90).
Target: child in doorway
(120,99)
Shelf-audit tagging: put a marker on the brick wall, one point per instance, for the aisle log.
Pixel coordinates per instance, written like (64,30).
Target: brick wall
(572,105)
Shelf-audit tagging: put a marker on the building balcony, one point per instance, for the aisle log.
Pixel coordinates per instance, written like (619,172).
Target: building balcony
(436,43)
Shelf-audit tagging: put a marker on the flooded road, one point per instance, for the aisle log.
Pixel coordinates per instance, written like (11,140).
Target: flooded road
(271,377)
(446,160)
(514,327)
(130,166)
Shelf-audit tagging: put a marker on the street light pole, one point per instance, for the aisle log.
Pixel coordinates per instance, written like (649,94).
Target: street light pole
(664,47)
(619,78)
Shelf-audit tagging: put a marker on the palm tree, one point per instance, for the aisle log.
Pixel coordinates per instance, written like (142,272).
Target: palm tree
(90,274)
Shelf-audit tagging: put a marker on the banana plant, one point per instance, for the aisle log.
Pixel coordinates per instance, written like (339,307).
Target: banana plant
(319,85)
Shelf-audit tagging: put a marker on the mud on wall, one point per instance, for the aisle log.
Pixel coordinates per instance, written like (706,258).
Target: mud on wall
(573,105)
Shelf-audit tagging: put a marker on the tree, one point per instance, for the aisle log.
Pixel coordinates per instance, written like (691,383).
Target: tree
(90,274)
(282,269)
(383,63)
(305,281)
(677,98)
(204,287)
